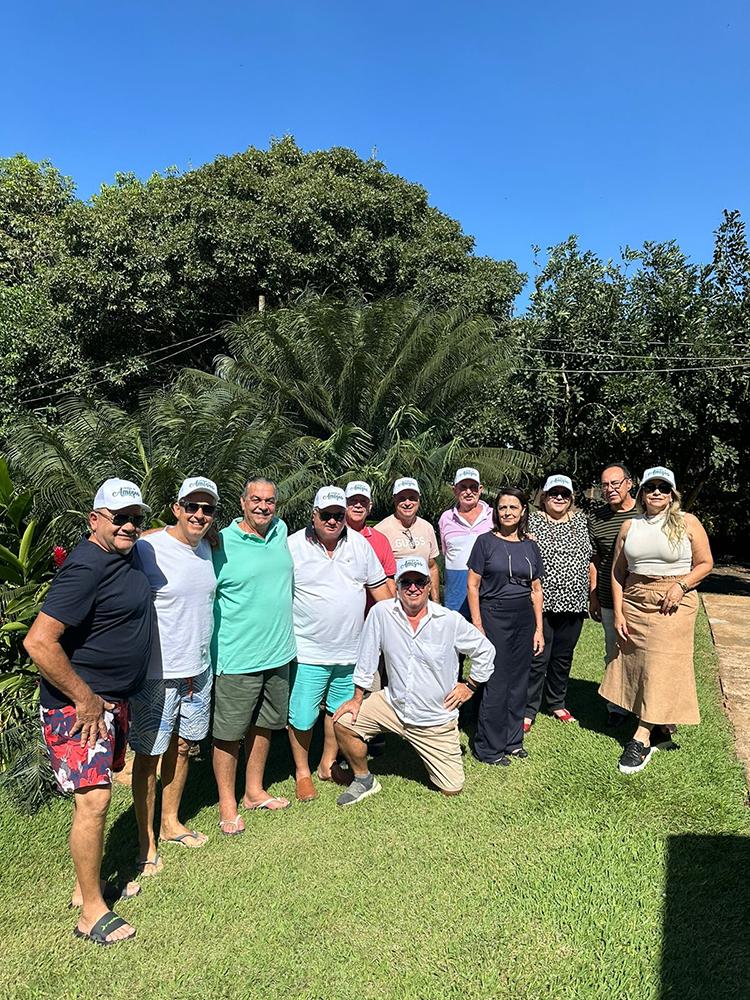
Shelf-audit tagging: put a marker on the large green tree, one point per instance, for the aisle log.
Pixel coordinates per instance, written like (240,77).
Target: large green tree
(146,266)
(645,360)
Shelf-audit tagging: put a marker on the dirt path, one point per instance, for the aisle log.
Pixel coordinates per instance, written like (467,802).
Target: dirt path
(726,596)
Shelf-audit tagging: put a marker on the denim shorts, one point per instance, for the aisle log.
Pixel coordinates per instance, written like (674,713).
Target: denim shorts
(163,707)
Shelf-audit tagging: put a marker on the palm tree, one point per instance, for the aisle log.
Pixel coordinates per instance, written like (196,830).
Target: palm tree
(393,376)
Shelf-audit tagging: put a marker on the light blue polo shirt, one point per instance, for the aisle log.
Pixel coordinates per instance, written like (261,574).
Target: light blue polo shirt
(253,626)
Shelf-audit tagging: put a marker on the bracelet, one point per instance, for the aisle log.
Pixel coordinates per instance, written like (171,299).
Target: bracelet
(684,588)
(470,684)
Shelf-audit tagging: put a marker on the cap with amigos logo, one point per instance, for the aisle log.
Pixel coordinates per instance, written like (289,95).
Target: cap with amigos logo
(114,494)
(329,496)
(405,484)
(564,481)
(198,484)
(412,564)
(358,489)
(467,473)
(659,472)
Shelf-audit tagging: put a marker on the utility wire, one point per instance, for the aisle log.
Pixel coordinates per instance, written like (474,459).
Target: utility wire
(157,361)
(109,364)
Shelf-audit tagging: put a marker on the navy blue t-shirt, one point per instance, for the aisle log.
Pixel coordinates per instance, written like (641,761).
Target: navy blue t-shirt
(506,568)
(105,601)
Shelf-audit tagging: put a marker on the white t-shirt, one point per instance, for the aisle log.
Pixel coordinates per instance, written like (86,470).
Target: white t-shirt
(183,585)
(329,595)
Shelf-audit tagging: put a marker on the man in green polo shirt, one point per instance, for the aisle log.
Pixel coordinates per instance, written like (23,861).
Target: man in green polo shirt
(253,644)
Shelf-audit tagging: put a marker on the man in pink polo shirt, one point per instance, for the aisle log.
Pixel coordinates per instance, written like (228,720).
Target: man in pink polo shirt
(358,507)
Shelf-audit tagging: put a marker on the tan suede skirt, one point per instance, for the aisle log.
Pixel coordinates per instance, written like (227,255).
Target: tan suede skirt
(653,675)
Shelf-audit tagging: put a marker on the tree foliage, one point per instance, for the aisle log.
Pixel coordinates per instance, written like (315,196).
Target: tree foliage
(645,360)
(147,265)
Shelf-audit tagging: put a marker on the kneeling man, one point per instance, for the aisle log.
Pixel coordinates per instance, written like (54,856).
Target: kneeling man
(420,642)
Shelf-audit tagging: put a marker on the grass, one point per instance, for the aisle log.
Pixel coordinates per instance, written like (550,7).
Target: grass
(556,877)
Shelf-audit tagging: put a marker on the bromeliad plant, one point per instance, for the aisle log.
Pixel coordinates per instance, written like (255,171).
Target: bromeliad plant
(27,563)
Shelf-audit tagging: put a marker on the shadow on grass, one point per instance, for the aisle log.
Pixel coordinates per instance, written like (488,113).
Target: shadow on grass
(706,939)
(585,702)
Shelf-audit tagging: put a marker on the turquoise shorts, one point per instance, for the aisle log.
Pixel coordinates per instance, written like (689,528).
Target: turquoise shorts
(314,684)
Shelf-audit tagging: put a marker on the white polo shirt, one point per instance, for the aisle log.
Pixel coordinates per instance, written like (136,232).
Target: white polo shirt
(422,666)
(329,595)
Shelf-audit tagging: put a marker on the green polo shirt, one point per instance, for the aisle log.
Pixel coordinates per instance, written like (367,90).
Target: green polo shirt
(253,627)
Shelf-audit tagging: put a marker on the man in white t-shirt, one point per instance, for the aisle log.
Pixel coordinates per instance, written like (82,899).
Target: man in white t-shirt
(334,567)
(171,712)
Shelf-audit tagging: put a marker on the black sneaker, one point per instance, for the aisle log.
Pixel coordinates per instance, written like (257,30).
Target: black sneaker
(635,756)
(519,754)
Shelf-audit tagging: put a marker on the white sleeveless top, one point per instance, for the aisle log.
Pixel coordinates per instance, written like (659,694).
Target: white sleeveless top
(649,551)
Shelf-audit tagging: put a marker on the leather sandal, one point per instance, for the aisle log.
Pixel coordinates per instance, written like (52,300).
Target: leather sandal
(304,789)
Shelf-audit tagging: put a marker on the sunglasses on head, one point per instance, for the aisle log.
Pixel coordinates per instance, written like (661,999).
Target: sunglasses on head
(193,506)
(121,518)
(413,581)
(657,486)
(336,516)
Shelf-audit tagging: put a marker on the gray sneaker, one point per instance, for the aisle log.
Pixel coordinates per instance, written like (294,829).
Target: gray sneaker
(357,791)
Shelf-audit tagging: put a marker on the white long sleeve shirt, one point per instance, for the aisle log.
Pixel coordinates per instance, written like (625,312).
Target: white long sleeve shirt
(422,666)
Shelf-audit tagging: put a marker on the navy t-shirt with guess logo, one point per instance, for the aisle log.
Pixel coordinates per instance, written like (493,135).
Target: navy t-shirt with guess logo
(105,602)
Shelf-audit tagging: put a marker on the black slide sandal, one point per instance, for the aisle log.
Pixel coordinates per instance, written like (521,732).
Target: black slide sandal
(105,925)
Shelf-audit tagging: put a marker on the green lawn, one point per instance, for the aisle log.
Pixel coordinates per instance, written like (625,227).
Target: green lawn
(556,877)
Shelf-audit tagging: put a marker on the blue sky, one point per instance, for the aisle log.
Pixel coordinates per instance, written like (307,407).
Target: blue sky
(526,124)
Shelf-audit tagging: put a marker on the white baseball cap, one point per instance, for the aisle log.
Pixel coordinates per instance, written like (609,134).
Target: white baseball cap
(198,484)
(412,564)
(114,494)
(358,489)
(466,473)
(330,496)
(565,481)
(406,484)
(659,472)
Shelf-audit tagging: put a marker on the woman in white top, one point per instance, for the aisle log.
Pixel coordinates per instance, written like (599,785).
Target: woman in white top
(660,556)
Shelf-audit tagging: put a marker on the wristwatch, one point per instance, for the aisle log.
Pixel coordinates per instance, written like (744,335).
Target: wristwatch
(471,684)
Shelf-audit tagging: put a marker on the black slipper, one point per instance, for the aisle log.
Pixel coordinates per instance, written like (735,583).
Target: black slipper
(105,925)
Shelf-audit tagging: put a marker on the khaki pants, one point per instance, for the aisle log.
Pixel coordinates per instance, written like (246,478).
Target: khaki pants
(438,746)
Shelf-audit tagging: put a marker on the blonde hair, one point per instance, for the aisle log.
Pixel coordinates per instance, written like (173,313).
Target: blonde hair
(674,522)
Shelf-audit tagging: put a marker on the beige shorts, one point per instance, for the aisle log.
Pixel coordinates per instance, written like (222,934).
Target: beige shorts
(437,746)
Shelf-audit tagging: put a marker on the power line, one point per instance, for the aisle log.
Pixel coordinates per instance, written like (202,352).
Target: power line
(641,357)
(636,371)
(65,392)
(100,368)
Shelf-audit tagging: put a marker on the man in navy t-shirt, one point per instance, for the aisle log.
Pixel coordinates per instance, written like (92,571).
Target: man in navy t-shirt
(91,642)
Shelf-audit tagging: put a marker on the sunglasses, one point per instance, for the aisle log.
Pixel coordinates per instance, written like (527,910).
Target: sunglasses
(419,582)
(557,495)
(657,487)
(193,506)
(120,519)
(338,517)
(410,537)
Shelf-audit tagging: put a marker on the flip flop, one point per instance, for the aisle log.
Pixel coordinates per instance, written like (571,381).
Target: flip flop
(266,804)
(564,716)
(231,822)
(105,925)
(183,837)
(144,863)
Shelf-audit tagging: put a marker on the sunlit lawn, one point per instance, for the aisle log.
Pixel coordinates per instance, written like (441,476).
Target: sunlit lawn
(556,877)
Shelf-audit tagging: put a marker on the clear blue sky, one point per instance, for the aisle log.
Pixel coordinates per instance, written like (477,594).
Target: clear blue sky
(526,124)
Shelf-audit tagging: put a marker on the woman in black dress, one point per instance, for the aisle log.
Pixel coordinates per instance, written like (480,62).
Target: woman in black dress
(505,601)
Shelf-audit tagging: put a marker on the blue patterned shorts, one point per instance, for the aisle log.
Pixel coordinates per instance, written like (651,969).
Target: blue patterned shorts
(162,707)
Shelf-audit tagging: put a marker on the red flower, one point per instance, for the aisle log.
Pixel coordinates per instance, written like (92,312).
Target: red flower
(59,555)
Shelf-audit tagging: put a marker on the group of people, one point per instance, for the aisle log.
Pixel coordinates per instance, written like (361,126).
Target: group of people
(154,637)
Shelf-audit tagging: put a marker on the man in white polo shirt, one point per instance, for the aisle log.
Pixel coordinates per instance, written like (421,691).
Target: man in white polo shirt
(171,712)
(459,527)
(420,641)
(334,567)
